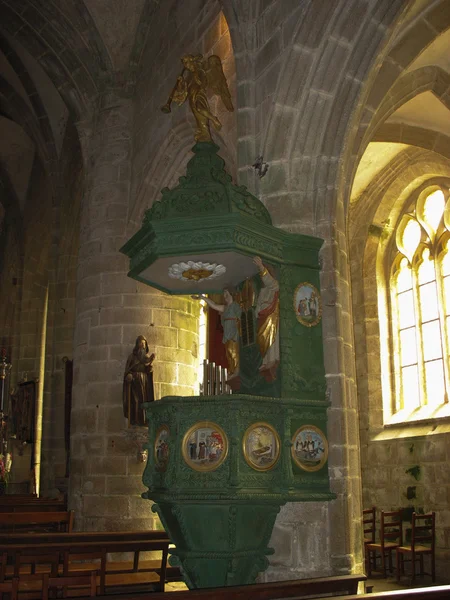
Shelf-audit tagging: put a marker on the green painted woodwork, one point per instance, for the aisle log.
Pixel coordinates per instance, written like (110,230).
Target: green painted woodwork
(206,189)
(207,214)
(221,521)
(301,373)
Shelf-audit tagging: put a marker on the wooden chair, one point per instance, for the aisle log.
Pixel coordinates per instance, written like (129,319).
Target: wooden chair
(422,542)
(369,515)
(391,537)
(369,524)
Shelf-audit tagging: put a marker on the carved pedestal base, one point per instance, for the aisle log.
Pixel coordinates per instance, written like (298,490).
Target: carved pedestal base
(218,544)
(219,469)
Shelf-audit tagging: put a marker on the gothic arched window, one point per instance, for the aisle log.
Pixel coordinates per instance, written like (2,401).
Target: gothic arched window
(420,306)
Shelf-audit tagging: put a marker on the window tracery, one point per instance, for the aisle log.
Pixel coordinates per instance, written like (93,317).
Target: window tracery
(420,307)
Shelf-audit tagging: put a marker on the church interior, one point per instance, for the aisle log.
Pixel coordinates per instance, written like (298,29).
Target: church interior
(337,122)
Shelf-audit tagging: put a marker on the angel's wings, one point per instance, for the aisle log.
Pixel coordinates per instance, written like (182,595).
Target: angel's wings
(217,81)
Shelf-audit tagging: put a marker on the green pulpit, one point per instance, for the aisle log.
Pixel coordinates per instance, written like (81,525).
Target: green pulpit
(220,467)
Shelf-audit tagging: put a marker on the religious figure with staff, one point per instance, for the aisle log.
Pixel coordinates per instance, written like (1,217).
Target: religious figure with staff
(203,74)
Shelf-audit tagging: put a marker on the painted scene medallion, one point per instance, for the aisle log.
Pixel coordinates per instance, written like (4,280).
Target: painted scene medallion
(162,447)
(205,446)
(307,304)
(309,448)
(261,446)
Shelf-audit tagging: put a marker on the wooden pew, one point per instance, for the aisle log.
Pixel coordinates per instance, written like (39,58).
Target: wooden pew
(36,586)
(87,581)
(32,505)
(10,587)
(79,536)
(27,521)
(297,588)
(7,497)
(35,539)
(110,573)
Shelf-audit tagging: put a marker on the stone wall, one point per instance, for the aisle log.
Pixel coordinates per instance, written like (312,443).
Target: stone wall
(62,274)
(11,239)
(402,467)
(30,340)
(112,310)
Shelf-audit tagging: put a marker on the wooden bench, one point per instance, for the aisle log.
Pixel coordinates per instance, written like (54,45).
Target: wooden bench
(32,505)
(79,536)
(35,539)
(297,588)
(36,521)
(9,587)
(37,586)
(77,557)
(88,581)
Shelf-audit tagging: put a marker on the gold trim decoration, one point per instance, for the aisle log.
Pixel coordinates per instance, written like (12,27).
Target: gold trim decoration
(309,448)
(307,304)
(161,447)
(196,274)
(196,271)
(261,446)
(204,446)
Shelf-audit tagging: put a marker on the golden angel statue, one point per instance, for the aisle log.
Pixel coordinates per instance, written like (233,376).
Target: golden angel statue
(202,74)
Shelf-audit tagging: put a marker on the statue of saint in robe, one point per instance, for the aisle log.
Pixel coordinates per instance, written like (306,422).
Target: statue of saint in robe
(138,382)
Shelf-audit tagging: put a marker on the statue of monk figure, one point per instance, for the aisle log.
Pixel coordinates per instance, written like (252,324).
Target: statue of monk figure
(268,316)
(138,382)
(231,320)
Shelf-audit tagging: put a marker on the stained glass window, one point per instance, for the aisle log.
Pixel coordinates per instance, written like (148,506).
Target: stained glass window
(420,296)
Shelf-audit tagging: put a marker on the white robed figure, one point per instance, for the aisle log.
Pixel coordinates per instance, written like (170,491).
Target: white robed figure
(231,321)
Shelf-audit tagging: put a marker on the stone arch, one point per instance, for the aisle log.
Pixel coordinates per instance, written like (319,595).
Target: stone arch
(432,79)
(16,109)
(414,136)
(77,65)
(33,94)
(370,234)
(403,52)
(310,132)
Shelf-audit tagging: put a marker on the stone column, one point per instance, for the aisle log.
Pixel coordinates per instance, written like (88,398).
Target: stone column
(111,311)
